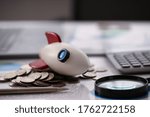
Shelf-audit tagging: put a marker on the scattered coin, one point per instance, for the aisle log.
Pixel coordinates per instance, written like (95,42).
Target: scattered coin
(41,84)
(47,79)
(14,84)
(28,71)
(26,66)
(25,84)
(82,77)
(50,77)
(20,72)
(27,80)
(35,75)
(44,75)
(95,78)
(89,75)
(17,80)
(10,75)
(100,70)
(13,80)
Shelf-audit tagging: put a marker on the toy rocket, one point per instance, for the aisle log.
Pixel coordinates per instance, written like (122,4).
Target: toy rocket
(61,57)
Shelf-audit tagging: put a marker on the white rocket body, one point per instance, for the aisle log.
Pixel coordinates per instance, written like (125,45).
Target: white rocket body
(76,64)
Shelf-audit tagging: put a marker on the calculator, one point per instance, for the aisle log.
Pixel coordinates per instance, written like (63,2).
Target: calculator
(131,62)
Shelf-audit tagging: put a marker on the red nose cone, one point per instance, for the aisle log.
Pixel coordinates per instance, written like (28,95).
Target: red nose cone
(52,37)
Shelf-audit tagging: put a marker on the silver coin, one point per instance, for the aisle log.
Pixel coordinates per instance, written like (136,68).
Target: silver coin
(20,72)
(35,76)
(14,83)
(26,66)
(47,79)
(10,75)
(28,71)
(27,80)
(89,74)
(25,84)
(50,77)
(19,84)
(82,77)
(44,75)
(17,80)
(13,80)
(96,78)
(100,70)
(41,84)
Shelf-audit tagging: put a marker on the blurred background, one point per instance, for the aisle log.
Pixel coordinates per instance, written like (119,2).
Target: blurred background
(24,22)
(74,10)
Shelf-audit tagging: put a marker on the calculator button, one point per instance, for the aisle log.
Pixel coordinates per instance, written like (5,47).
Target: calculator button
(146,64)
(141,58)
(125,66)
(134,62)
(124,63)
(136,65)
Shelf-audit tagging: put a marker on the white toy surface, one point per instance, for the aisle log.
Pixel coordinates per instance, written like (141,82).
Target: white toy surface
(64,58)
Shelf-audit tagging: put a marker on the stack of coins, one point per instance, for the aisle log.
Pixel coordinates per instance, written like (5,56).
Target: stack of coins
(29,77)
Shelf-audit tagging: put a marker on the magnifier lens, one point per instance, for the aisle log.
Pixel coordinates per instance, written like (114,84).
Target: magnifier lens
(120,84)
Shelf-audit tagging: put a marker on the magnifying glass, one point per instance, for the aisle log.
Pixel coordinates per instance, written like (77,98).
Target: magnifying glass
(121,86)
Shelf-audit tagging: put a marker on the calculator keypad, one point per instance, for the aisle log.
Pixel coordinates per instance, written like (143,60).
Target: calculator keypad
(134,59)
(130,62)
